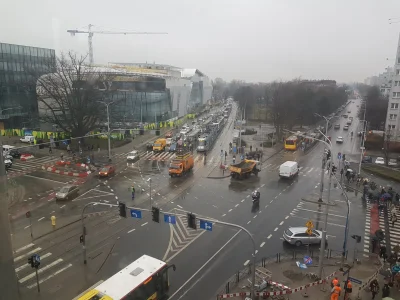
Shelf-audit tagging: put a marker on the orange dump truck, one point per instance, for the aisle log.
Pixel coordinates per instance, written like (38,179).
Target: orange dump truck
(181,164)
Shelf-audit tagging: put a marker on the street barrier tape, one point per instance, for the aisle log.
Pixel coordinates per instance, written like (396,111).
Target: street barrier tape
(286,290)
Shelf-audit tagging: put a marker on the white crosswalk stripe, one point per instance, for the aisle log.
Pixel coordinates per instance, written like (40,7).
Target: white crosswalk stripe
(49,266)
(394,227)
(35,163)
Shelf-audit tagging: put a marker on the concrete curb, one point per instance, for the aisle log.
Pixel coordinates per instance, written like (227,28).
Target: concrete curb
(220,177)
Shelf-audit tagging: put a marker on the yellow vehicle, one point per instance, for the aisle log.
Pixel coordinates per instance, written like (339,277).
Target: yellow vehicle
(159,145)
(244,169)
(182,164)
(291,143)
(145,278)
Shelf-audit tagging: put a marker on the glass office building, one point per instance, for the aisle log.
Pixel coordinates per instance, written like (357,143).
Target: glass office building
(18,102)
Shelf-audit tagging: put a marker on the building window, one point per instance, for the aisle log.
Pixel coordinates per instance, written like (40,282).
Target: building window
(396,83)
(391,127)
(398,72)
(392,117)
(396,94)
(394,105)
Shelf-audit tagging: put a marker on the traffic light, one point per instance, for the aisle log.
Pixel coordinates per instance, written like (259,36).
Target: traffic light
(328,154)
(36,261)
(122,209)
(155,213)
(192,221)
(31,262)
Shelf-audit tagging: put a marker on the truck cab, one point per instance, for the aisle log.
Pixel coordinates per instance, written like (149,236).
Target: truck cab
(182,164)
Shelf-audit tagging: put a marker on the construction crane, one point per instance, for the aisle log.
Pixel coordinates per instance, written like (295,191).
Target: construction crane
(90,33)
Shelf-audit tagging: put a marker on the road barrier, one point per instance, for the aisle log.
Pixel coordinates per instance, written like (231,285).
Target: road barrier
(286,289)
(25,157)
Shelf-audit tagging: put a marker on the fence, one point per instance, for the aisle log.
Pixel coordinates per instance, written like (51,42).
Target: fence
(227,290)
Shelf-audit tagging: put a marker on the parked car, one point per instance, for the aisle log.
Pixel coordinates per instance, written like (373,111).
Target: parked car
(107,171)
(392,162)
(14,153)
(27,139)
(67,192)
(367,159)
(297,236)
(133,156)
(337,126)
(346,127)
(380,161)
(339,140)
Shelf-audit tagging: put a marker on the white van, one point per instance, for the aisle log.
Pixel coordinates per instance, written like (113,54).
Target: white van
(27,139)
(289,169)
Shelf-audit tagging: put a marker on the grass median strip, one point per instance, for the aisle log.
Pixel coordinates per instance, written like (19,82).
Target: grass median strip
(384,172)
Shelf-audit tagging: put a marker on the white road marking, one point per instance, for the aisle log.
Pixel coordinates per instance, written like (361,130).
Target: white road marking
(280,224)
(63,206)
(242,200)
(276,229)
(28,265)
(50,276)
(248,222)
(31,176)
(236,205)
(246,262)
(179,206)
(262,244)
(230,210)
(268,237)
(287,217)
(30,252)
(24,247)
(40,219)
(224,215)
(26,227)
(144,224)
(255,217)
(41,270)
(131,230)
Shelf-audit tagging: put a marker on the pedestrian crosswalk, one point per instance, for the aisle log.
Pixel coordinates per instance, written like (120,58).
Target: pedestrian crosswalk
(22,167)
(393,225)
(50,265)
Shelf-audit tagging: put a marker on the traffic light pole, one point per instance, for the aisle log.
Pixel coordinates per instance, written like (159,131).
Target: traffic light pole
(181,215)
(37,280)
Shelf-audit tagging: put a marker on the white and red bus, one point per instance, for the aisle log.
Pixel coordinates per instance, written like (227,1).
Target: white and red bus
(144,279)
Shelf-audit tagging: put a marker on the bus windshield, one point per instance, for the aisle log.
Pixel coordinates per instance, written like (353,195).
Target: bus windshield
(202,142)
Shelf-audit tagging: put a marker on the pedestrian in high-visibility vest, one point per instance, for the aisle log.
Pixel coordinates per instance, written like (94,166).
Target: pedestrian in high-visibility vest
(334,282)
(335,292)
(348,290)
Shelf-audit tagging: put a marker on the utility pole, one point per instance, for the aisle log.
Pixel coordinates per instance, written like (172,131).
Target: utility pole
(8,278)
(323,242)
(363,137)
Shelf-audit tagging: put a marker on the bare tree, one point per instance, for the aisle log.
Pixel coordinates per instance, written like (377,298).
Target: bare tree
(70,92)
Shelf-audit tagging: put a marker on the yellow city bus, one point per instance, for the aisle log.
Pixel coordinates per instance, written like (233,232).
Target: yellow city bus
(146,278)
(291,142)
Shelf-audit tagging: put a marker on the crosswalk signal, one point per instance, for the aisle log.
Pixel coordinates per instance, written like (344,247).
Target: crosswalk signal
(192,221)
(31,262)
(122,209)
(155,214)
(328,155)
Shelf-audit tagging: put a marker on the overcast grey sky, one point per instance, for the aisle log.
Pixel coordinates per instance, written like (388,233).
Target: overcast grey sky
(263,40)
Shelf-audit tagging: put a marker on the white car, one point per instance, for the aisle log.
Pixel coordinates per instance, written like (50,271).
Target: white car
(380,161)
(339,139)
(168,141)
(392,162)
(133,155)
(346,127)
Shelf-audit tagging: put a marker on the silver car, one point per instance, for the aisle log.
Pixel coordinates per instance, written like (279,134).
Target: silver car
(67,192)
(297,236)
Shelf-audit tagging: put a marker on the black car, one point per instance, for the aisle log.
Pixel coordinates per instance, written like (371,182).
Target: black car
(14,153)
(367,159)
(337,126)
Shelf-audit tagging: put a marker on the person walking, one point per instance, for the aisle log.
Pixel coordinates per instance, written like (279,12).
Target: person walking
(133,192)
(374,288)
(385,290)
(335,292)
(348,290)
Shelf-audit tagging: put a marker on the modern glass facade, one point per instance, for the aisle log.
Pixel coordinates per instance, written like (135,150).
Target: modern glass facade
(18,102)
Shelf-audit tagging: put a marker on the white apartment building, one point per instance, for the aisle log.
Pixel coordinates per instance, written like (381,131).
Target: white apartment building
(393,113)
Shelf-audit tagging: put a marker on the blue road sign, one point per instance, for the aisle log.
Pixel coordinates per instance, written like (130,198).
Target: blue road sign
(345,272)
(135,213)
(205,225)
(339,155)
(300,265)
(307,260)
(355,280)
(37,257)
(170,219)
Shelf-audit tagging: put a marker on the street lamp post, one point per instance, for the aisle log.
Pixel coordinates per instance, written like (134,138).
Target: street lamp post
(363,138)
(321,191)
(108,127)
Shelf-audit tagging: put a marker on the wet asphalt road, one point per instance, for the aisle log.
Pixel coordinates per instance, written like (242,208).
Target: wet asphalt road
(204,260)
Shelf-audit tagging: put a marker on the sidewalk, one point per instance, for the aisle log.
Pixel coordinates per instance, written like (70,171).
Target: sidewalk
(284,277)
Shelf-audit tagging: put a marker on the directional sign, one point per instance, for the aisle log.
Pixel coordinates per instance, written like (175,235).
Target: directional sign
(37,257)
(300,265)
(309,231)
(309,224)
(307,260)
(205,225)
(135,213)
(355,280)
(170,219)
(339,155)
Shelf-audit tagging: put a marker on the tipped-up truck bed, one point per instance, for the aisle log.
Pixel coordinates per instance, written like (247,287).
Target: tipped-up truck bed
(244,169)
